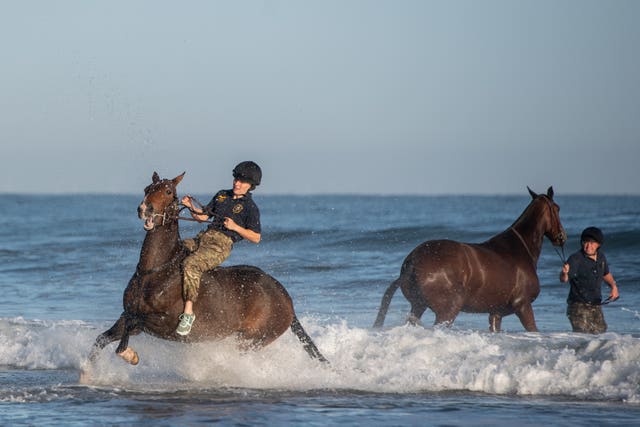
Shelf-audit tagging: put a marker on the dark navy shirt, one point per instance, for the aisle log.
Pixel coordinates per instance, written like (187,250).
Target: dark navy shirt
(585,277)
(243,211)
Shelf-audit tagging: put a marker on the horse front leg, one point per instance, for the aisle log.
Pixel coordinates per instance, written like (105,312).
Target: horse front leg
(112,334)
(127,353)
(525,314)
(495,322)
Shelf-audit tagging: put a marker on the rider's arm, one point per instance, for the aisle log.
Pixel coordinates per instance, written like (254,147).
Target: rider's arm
(196,213)
(250,235)
(608,278)
(564,274)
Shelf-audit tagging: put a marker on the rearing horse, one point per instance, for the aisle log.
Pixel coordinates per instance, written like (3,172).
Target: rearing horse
(239,300)
(496,277)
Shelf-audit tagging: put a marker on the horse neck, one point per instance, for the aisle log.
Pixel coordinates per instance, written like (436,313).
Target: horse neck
(531,226)
(160,246)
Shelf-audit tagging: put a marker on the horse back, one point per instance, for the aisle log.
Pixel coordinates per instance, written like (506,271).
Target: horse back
(243,298)
(246,280)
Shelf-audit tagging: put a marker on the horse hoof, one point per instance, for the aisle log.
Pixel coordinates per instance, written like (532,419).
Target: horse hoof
(130,356)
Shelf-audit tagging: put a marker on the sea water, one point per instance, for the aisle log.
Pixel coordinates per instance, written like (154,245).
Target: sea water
(65,261)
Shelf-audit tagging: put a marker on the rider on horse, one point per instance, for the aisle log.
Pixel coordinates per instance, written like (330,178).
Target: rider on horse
(235,216)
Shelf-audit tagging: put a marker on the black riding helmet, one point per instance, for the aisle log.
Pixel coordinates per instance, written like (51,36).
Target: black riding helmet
(593,234)
(248,172)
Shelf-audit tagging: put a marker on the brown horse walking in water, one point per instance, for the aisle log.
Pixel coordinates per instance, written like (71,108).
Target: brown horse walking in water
(496,277)
(239,300)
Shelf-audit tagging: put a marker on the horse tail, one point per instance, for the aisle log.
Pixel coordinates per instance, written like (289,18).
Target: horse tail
(306,341)
(386,300)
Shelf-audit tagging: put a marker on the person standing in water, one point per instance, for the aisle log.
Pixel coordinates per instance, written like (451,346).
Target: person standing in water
(585,271)
(235,217)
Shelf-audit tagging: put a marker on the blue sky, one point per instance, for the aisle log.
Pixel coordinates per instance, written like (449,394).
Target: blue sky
(372,97)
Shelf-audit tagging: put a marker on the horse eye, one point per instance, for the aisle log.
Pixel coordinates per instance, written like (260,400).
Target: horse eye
(169,192)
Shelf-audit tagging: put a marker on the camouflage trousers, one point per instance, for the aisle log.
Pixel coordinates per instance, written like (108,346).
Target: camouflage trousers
(208,250)
(586,318)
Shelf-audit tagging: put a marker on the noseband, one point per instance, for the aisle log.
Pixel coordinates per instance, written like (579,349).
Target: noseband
(164,215)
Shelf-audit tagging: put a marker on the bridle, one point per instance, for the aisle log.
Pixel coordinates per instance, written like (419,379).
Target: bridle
(164,215)
(174,205)
(558,237)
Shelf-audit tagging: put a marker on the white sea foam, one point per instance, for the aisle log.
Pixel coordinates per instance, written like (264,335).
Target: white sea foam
(395,360)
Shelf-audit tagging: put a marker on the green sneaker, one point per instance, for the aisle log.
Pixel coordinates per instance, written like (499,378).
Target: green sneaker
(186,320)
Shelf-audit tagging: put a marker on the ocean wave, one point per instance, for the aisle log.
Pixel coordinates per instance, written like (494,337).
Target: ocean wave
(396,360)
(622,240)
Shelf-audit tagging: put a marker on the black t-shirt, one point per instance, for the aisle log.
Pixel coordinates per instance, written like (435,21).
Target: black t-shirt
(243,211)
(585,277)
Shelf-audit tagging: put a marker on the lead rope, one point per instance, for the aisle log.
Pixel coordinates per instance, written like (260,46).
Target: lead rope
(562,257)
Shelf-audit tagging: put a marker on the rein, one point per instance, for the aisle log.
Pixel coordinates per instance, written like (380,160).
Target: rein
(562,257)
(524,244)
(201,208)
(184,218)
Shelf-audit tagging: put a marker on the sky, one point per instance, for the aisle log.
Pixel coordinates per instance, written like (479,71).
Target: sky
(328,97)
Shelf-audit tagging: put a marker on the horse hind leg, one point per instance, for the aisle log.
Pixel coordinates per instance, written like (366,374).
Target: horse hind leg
(446,311)
(417,310)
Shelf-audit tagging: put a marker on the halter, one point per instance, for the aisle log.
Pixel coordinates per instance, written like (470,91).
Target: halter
(562,257)
(555,248)
(165,218)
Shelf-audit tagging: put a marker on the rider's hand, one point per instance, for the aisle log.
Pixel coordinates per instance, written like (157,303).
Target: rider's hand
(186,200)
(230,224)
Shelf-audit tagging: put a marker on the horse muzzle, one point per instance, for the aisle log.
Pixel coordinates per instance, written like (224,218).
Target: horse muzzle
(559,239)
(145,212)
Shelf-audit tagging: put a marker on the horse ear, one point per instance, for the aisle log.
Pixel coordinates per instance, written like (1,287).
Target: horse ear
(178,178)
(155,177)
(550,192)
(533,194)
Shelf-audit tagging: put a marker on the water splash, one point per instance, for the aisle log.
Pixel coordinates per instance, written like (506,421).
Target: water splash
(396,360)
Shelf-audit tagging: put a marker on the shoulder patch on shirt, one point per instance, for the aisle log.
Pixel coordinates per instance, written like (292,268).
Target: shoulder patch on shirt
(221,198)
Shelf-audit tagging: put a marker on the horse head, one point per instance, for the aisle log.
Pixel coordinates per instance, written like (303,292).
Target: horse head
(554,230)
(160,203)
